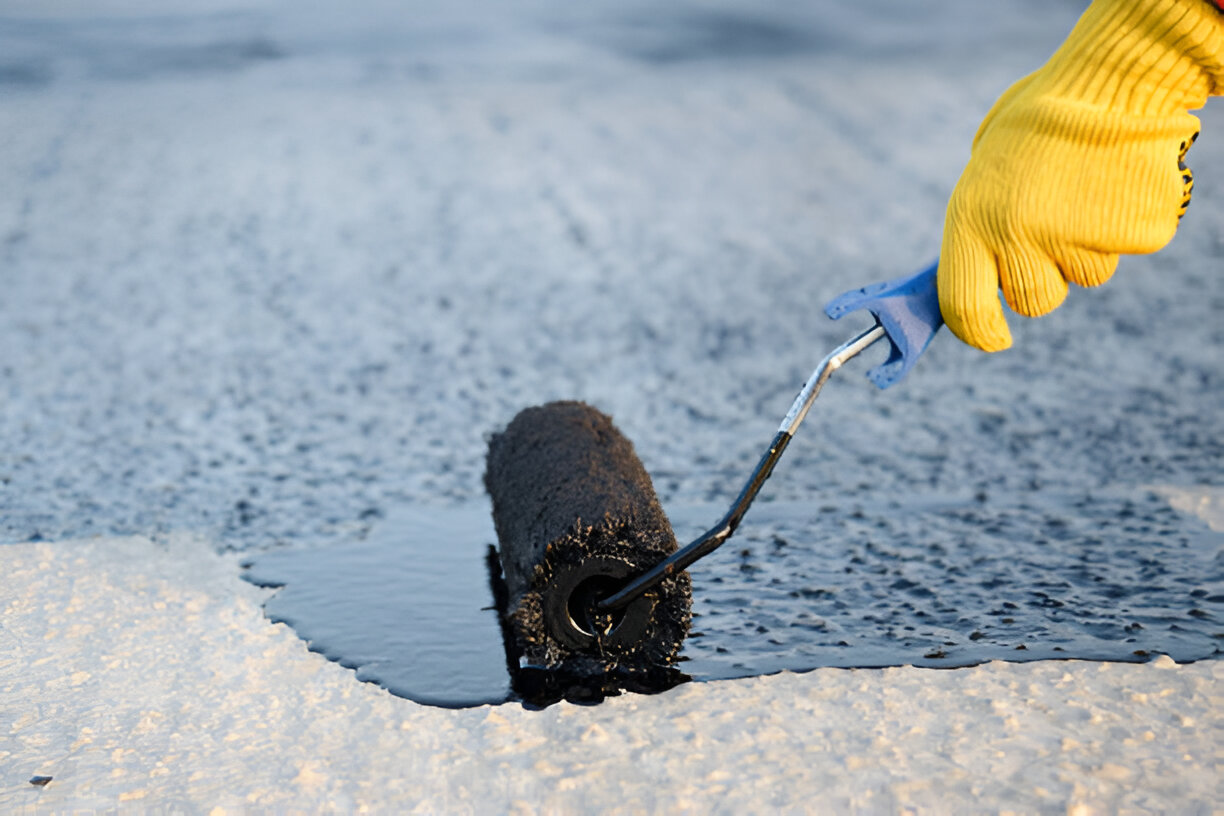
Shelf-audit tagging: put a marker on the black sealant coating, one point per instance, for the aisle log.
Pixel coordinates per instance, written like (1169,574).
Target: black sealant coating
(940,582)
(572,503)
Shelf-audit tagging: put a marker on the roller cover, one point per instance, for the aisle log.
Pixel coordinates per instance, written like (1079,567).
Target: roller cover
(574,510)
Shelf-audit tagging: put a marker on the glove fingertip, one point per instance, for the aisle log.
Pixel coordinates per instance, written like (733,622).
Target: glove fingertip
(1087,268)
(1032,284)
(973,312)
(985,332)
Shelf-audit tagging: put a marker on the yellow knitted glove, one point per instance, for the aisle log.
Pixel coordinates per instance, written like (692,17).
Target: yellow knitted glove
(1079,162)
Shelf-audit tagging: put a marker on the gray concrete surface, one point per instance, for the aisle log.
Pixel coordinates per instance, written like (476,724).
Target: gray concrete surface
(269,273)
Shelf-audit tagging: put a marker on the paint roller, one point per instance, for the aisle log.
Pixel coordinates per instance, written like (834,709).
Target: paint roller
(576,518)
(594,581)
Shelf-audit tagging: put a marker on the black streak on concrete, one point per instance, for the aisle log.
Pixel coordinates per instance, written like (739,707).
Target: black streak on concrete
(571,499)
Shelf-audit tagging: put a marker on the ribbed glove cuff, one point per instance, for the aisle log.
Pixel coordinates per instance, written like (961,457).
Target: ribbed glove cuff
(1145,57)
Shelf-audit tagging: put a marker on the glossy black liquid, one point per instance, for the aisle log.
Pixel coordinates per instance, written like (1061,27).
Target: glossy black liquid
(803,585)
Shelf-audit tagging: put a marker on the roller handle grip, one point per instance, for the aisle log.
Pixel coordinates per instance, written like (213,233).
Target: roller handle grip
(907,309)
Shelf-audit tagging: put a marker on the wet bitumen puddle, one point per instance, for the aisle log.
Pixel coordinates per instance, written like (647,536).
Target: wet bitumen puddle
(937,583)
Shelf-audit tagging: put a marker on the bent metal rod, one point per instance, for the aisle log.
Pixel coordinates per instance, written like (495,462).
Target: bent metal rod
(714,538)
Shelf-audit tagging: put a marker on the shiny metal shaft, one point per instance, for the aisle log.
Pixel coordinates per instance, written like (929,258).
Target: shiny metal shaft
(713,538)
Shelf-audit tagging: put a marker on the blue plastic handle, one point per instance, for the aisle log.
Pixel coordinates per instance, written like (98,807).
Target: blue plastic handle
(907,308)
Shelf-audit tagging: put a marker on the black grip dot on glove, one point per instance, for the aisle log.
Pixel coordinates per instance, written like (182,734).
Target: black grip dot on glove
(1187,175)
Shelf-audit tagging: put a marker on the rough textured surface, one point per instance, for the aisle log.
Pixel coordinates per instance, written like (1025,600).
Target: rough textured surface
(943,582)
(570,501)
(143,676)
(271,271)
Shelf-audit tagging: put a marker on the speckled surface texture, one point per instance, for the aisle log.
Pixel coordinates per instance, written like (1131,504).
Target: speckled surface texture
(270,274)
(196,704)
(268,297)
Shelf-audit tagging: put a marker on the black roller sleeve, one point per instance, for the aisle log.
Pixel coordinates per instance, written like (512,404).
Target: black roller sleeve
(576,517)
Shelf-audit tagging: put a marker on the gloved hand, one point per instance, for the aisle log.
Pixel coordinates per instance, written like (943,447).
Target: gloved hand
(1079,162)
